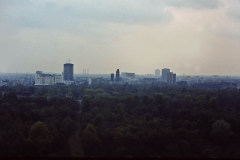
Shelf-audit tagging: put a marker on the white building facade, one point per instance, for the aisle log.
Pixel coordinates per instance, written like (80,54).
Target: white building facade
(42,79)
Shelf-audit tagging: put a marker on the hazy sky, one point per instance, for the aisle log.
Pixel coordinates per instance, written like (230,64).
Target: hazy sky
(187,36)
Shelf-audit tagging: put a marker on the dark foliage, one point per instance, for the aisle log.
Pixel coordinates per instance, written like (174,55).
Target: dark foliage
(119,121)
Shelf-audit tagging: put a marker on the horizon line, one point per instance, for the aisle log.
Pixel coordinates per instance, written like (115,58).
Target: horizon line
(232,75)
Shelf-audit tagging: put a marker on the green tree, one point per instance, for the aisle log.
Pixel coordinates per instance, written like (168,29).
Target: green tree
(213,102)
(39,133)
(90,141)
(12,95)
(220,131)
(98,120)
(39,139)
(85,105)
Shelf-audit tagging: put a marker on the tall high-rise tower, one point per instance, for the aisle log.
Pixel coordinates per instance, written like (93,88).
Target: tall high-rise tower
(68,72)
(165,73)
(112,77)
(157,73)
(117,75)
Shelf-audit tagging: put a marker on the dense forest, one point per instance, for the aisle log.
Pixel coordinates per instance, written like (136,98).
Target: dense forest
(119,121)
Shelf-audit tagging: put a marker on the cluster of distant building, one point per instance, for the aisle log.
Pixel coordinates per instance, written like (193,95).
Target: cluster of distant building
(4,82)
(43,79)
(160,77)
(126,77)
(168,76)
(16,79)
(67,77)
(123,74)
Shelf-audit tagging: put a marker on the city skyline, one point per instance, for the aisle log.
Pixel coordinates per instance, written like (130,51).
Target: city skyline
(125,71)
(190,37)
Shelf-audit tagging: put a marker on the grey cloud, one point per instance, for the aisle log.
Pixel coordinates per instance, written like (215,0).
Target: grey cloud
(5,3)
(51,14)
(233,10)
(234,14)
(196,4)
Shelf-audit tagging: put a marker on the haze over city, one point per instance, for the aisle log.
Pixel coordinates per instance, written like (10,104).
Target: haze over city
(195,37)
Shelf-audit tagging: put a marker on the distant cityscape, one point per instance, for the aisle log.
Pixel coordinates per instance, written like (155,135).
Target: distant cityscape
(67,77)
(161,77)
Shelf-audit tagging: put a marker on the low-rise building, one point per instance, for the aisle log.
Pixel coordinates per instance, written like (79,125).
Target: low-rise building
(42,79)
(128,75)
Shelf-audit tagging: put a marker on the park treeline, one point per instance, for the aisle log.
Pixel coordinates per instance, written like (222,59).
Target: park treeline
(119,121)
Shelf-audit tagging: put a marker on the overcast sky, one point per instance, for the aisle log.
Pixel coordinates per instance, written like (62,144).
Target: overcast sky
(191,37)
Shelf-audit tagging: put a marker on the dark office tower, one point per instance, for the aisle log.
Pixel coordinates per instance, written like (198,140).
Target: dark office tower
(112,77)
(174,78)
(170,78)
(117,75)
(68,72)
(165,73)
